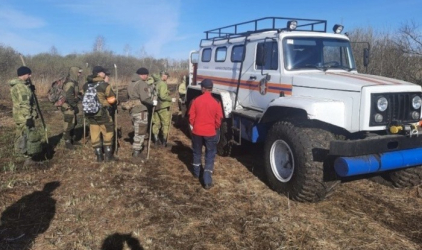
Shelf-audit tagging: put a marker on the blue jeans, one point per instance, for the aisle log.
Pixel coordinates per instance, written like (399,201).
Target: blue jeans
(210,143)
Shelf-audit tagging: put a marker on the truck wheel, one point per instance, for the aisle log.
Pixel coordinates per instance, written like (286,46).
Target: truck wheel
(294,161)
(407,177)
(224,146)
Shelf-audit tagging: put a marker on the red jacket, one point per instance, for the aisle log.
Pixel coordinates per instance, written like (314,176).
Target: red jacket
(205,115)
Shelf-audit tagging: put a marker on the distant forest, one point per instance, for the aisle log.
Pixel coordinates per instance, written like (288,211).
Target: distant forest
(396,54)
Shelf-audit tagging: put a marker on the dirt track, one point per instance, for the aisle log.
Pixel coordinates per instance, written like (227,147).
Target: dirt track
(159,205)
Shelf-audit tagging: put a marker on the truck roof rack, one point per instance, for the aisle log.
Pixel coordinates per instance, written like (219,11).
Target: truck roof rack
(262,25)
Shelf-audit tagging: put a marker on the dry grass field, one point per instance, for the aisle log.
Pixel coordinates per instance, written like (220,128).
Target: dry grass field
(72,202)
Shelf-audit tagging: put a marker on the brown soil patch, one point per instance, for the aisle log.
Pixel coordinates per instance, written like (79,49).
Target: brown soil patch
(72,202)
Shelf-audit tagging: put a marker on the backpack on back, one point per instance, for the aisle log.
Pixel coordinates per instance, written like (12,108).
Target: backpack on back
(56,94)
(90,103)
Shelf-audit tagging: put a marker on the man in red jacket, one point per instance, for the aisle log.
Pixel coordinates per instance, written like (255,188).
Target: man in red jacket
(205,116)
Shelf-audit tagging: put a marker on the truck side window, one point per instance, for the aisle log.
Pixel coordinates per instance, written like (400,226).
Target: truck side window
(206,55)
(271,56)
(220,54)
(237,53)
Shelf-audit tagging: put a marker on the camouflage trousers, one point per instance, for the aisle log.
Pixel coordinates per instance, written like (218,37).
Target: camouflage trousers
(28,141)
(101,125)
(69,123)
(20,140)
(161,120)
(140,129)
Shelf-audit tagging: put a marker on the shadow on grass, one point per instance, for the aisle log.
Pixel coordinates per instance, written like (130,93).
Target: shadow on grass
(27,218)
(117,241)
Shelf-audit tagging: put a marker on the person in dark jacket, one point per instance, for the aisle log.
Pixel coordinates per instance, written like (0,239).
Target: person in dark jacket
(205,115)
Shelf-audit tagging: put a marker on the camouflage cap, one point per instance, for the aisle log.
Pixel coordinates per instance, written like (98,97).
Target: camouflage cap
(164,73)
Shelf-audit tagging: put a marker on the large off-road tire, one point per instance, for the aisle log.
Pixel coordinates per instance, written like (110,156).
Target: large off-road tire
(294,161)
(224,146)
(407,177)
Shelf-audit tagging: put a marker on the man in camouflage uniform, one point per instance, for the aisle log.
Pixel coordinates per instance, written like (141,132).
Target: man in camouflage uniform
(138,92)
(24,110)
(70,107)
(181,102)
(101,123)
(161,118)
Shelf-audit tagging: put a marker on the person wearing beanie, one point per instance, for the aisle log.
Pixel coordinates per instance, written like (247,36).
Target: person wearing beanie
(138,93)
(24,71)
(101,123)
(161,118)
(24,110)
(205,115)
(70,106)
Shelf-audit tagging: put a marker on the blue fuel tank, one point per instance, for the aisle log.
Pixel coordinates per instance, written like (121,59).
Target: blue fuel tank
(350,166)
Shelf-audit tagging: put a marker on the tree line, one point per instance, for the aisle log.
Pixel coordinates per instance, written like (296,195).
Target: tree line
(396,54)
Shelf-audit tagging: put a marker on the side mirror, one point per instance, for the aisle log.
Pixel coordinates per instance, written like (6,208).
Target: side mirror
(194,57)
(260,55)
(365,57)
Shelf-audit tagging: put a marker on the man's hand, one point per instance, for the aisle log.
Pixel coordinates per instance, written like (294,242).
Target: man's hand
(191,127)
(173,99)
(30,123)
(154,102)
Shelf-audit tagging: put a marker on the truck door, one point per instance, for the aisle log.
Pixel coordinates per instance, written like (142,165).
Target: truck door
(264,60)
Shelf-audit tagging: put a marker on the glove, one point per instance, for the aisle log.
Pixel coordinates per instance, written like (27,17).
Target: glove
(191,127)
(154,102)
(76,110)
(173,99)
(30,123)
(32,87)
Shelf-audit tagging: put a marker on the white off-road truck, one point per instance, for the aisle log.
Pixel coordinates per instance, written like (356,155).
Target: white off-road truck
(292,85)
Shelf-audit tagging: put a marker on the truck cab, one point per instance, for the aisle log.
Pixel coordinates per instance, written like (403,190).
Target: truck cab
(293,86)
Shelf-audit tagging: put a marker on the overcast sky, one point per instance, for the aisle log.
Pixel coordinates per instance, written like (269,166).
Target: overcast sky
(172,28)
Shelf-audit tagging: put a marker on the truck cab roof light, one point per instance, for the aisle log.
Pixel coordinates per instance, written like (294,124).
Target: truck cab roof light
(291,25)
(338,28)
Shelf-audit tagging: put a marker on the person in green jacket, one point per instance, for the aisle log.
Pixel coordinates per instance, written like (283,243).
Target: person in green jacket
(161,118)
(70,107)
(27,143)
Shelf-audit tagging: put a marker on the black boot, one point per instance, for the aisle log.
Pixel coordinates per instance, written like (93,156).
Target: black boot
(108,154)
(164,142)
(157,141)
(136,153)
(99,154)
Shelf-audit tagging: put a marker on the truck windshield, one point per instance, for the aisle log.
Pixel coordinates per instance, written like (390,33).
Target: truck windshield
(317,53)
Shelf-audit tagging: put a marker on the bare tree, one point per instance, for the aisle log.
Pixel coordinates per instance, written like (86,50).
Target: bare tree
(127,49)
(99,44)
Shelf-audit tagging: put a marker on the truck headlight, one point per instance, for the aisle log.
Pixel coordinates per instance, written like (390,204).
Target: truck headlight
(415,115)
(382,104)
(416,102)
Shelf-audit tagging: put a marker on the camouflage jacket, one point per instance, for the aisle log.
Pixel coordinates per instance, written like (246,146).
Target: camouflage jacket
(138,90)
(163,95)
(23,101)
(71,87)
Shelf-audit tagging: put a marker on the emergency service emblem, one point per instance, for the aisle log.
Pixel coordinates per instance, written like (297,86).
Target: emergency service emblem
(263,86)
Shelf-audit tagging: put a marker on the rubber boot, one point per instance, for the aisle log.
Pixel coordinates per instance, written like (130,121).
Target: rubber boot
(196,171)
(207,179)
(138,156)
(136,153)
(165,142)
(99,154)
(157,141)
(108,154)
